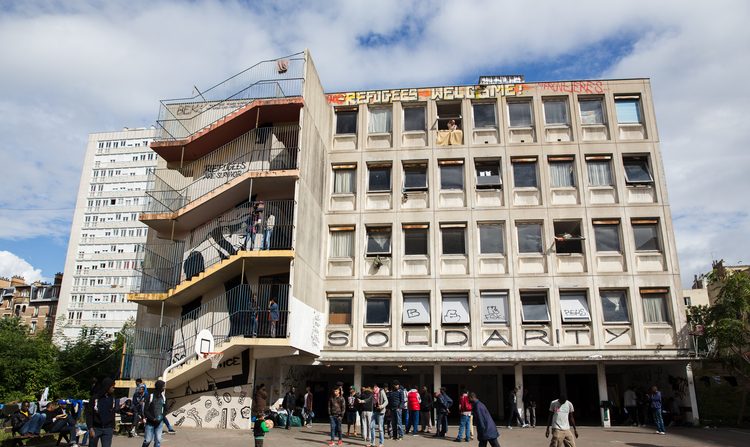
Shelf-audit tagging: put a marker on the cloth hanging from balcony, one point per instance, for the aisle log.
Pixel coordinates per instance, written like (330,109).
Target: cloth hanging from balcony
(450,137)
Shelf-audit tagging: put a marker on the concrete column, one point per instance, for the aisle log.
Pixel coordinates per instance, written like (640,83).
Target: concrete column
(601,380)
(358,378)
(693,397)
(563,383)
(278,380)
(437,377)
(518,373)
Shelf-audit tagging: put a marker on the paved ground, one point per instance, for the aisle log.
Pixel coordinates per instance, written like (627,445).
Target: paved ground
(589,436)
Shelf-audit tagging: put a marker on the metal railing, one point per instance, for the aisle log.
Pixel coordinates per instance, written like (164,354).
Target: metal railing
(262,149)
(257,225)
(243,311)
(276,78)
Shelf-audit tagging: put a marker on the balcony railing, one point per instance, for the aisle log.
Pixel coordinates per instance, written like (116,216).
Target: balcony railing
(243,311)
(277,78)
(250,226)
(262,149)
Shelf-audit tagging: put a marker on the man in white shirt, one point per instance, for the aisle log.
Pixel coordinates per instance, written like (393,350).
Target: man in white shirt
(631,406)
(561,419)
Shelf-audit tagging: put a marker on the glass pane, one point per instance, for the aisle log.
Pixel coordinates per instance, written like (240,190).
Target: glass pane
(491,238)
(488,173)
(378,242)
(655,309)
(494,307)
(519,114)
(378,311)
(416,309)
(415,241)
(615,307)
(346,122)
(340,311)
(454,242)
(484,115)
(380,179)
(556,112)
(380,120)
(600,173)
(530,238)
(534,308)
(452,177)
(415,178)
(574,307)
(592,111)
(607,237)
(343,182)
(455,308)
(636,170)
(646,237)
(628,110)
(342,244)
(561,173)
(524,175)
(414,118)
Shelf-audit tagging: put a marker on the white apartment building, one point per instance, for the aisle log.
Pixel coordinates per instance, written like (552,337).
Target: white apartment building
(476,236)
(106,233)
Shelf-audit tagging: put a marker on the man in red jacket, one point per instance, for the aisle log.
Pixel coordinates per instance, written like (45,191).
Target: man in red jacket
(413,400)
(464,408)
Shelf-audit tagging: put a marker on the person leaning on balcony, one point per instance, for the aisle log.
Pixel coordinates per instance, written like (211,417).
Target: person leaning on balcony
(273,315)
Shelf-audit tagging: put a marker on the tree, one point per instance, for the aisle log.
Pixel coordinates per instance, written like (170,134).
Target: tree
(27,362)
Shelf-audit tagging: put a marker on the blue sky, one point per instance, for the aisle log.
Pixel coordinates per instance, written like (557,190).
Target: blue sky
(84,66)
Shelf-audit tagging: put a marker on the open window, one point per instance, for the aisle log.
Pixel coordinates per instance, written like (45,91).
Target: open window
(574,307)
(416,308)
(488,174)
(415,176)
(455,308)
(378,241)
(448,112)
(534,307)
(568,237)
(637,170)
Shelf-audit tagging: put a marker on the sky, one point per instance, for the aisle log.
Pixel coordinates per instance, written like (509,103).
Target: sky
(72,67)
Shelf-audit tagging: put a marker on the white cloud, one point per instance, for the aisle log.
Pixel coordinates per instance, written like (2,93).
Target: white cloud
(11,264)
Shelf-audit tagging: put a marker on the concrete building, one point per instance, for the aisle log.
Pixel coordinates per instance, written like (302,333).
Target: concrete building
(106,233)
(482,236)
(35,304)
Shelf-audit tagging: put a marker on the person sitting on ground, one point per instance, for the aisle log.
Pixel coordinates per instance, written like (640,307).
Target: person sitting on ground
(26,424)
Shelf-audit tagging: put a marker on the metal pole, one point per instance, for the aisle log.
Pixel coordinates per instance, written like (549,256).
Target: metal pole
(161,314)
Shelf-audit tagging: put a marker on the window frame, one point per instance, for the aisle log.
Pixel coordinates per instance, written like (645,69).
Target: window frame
(377,297)
(416,296)
(413,167)
(424,118)
(452,227)
(449,296)
(645,162)
(346,111)
(560,160)
(600,224)
(530,105)
(589,159)
(541,235)
(370,168)
(340,298)
(341,168)
(534,294)
(591,99)
(341,229)
(624,298)
(663,295)
(497,163)
(442,121)
(572,242)
(556,100)
(452,164)
(485,224)
(389,109)
(584,302)
(525,161)
(421,228)
(488,105)
(378,229)
(623,98)
(504,316)
(643,223)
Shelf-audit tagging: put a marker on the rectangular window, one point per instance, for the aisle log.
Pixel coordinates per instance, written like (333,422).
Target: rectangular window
(524,172)
(454,239)
(592,111)
(556,112)
(488,174)
(451,174)
(378,241)
(637,170)
(484,115)
(377,310)
(340,310)
(646,234)
(599,168)
(655,305)
(415,177)
(344,179)
(342,242)
(416,239)
(494,306)
(607,235)
(534,307)
(519,114)
(416,308)
(628,109)
(574,307)
(568,237)
(380,120)
(530,238)
(455,308)
(615,306)
(447,112)
(491,240)
(379,178)
(562,172)
(346,122)
(414,119)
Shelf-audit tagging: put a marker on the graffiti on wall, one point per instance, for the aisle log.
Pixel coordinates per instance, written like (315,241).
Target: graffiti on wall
(224,408)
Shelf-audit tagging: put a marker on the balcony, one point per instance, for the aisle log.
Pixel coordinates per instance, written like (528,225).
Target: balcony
(192,127)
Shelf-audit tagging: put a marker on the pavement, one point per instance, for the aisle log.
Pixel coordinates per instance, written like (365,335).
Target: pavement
(589,436)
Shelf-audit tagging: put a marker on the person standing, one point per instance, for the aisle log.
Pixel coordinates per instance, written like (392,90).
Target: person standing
(465,410)
(654,399)
(365,399)
(404,408)
(138,398)
(273,315)
(270,223)
(260,401)
(425,414)
(100,414)
(529,408)
(443,403)
(561,419)
(486,428)
(307,407)
(336,408)
(351,411)
(379,404)
(630,399)
(414,401)
(154,409)
(394,404)
(289,404)
(513,415)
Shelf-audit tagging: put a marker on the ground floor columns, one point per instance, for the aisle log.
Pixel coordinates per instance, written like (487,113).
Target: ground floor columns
(437,379)
(518,377)
(691,390)
(357,382)
(601,380)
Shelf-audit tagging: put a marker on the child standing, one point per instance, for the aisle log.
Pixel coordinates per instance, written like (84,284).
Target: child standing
(260,428)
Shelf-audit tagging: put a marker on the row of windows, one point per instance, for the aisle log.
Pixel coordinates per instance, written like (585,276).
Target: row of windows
(568,237)
(107,265)
(519,112)
(493,305)
(95,315)
(100,173)
(108,281)
(97,298)
(114,144)
(488,173)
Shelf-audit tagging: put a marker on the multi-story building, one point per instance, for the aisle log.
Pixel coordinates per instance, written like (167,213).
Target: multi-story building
(106,233)
(484,237)
(35,304)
